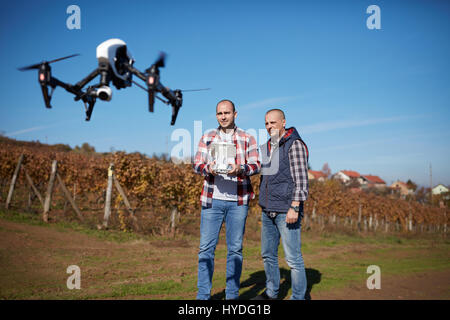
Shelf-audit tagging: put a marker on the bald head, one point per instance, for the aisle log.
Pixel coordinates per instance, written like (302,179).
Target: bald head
(277,112)
(226,102)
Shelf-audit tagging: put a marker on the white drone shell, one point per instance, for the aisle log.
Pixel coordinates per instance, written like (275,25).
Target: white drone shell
(107,51)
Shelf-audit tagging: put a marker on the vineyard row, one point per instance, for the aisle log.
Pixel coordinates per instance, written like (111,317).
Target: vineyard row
(163,186)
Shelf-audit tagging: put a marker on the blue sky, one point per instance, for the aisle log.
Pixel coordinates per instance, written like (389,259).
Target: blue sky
(373,101)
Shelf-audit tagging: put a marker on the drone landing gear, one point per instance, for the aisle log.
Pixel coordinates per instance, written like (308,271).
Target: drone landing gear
(89,99)
(89,107)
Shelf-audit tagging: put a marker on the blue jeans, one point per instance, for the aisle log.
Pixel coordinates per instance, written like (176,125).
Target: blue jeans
(210,225)
(272,229)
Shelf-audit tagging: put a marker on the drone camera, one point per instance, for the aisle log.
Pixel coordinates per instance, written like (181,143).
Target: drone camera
(104,93)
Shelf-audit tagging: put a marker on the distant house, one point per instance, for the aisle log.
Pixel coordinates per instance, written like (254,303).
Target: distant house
(316,175)
(401,187)
(373,181)
(439,189)
(355,190)
(347,176)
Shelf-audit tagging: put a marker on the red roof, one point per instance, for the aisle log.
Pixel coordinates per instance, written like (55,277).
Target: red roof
(374,179)
(351,174)
(317,174)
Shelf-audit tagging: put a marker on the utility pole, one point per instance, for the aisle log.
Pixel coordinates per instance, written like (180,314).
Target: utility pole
(431,186)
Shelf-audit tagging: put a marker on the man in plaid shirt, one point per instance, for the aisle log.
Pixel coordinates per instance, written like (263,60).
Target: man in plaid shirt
(224,197)
(282,191)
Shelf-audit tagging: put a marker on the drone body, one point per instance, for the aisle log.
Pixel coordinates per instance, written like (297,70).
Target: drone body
(115,64)
(113,53)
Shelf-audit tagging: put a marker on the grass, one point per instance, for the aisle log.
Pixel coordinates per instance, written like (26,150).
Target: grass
(64,226)
(137,266)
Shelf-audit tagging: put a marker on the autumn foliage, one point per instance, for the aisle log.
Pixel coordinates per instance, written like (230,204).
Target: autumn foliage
(163,185)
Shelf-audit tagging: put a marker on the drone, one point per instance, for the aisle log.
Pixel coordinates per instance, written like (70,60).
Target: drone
(115,64)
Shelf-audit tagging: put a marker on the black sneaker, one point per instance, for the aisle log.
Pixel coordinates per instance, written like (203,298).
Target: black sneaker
(263,296)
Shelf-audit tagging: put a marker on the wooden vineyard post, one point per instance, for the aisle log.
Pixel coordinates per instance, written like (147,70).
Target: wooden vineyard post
(409,226)
(359,217)
(305,219)
(69,197)
(108,196)
(125,200)
(173,217)
(33,187)
(13,181)
(445,221)
(48,196)
(30,200)
(410,222)
(313,215)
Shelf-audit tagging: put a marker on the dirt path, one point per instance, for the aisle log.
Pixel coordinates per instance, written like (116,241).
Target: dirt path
(432,285)
(33,262)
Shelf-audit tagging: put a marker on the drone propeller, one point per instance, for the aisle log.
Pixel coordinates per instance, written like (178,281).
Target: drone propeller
(154,86)
(167,102)
(45,77)
(38,65)
(161,59)
(145,89)
(195,89)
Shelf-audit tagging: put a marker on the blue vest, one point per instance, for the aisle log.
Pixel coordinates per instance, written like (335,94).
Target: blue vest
(276,186)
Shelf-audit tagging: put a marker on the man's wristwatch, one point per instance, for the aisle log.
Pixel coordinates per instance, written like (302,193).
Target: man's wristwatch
(296,208)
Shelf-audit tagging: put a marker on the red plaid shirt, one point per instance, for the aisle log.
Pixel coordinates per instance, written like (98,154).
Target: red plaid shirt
(246,155)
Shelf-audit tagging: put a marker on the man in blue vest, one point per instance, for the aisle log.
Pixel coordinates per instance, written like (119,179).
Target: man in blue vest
(283,189)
